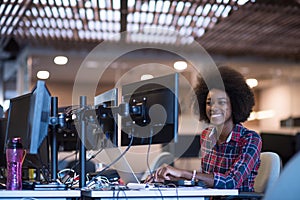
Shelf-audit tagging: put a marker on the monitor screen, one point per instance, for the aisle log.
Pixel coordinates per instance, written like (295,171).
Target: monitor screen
(28,118)
(39,116)
(153,108)
(281,143)
(104,133)
(18,119)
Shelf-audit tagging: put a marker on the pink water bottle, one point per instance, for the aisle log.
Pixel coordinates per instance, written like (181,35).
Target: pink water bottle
(14,157)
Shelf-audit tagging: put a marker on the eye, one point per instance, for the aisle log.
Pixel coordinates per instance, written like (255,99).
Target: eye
(223,102)
(208,102)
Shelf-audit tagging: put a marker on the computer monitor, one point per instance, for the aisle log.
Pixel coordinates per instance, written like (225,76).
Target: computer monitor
(104,134)
(18,119)
(28,118)
(39,117)
(281,143)
(153,108)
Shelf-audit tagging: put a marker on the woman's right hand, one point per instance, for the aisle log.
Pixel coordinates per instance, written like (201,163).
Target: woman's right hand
(167,172)
(151,179)
(163,173)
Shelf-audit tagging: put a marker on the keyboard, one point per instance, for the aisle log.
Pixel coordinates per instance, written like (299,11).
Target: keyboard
(186,183)
(138,186)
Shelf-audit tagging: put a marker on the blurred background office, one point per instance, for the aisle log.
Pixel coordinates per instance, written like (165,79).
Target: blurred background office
(259,38)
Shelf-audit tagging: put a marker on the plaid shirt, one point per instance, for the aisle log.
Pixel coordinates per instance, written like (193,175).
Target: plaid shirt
(234,162)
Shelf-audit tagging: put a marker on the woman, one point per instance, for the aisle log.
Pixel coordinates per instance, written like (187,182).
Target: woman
(230,153)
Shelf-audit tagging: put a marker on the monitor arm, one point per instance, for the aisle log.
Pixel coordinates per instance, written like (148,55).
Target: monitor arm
(56,120)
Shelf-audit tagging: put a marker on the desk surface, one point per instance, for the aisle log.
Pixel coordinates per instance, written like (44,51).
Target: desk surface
(182,193)
(162,192)
(39,193)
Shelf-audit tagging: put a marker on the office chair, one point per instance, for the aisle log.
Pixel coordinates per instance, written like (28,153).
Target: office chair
(287,185)
(267,174)
(268,171)
(159,160)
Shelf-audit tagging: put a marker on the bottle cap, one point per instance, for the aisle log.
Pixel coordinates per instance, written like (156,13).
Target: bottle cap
(15,143)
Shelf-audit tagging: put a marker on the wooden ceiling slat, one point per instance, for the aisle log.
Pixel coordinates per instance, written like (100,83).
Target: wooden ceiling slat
(46,38)
(50,37)
(75,30)
(81,18)
(62,18)
(175,16)
(96,11)
(31,18)
(124,13)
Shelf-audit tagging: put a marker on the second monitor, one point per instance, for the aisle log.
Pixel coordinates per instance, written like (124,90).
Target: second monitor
(106,136)
(153,111)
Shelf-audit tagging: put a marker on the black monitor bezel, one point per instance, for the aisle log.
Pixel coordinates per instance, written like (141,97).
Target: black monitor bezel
(160,85)
(11,128)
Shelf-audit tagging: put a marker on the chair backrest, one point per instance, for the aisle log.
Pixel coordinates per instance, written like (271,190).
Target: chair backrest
(268,171)
(159,160)
(287,186)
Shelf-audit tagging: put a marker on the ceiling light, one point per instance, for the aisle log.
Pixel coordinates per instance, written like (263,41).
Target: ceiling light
(263,114)
(252,82)
(60,60)
(146,77)
(180,65)
(43,74)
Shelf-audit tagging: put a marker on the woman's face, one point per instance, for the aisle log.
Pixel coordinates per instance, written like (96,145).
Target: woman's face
(218,107)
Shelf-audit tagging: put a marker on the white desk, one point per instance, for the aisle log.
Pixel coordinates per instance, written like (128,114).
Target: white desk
(44,195)
(161,193)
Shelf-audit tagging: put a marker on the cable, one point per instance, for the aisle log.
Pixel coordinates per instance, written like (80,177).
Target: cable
(69,170)
(177,193)
(74,176)
(112,163)
(94,156)
(66,179)
(123,193)
(104,183)
(148,152)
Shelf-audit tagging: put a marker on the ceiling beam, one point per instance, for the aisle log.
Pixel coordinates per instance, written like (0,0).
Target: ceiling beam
(124,12)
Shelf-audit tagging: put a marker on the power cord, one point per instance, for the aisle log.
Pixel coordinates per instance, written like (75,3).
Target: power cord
(71,175)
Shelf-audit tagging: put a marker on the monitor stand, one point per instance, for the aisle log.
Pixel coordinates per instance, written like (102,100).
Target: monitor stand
(53,184)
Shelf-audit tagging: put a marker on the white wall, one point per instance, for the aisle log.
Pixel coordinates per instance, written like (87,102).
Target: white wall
(284,100)
(63,90)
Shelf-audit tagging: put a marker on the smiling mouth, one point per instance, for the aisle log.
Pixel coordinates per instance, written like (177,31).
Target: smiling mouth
(216,115)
